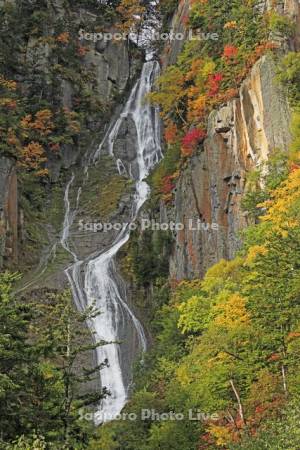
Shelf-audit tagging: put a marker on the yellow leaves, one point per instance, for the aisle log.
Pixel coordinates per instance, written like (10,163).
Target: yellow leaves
(199,72)
(47,371)
(197,108)
(170,92)
(231,313)
(232,25)
(73,122)
(188,314)
(254,251)
(222,435)
(217,275)
(8,103)
(8,84)
(283,205)
(208,68)
(183,375)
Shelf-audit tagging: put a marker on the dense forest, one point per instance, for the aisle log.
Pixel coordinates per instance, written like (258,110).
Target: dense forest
(222,367)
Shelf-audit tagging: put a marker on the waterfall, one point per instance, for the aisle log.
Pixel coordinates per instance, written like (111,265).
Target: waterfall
(102,285)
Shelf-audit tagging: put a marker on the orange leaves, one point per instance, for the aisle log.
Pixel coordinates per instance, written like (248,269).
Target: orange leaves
(63,38)
(197,108)
(167,188)
(194,70)
(55,147)
(32,155)
(230,53)
(294,166)
(12,138)
(171,133)
(131,12)
(274,357)
(260,50)
(293,335)
(42,123)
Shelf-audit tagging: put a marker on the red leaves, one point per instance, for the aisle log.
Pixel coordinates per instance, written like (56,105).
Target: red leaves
(81,51)
(294,167)
(191,140)
(167,184)
(230,52)
(185,20)
(55,147)
(274,357)
(214,82)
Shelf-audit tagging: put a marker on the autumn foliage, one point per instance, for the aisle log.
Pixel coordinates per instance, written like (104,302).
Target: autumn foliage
(191,140)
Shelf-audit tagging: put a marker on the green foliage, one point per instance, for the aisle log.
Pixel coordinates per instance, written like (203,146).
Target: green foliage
(229,344)
(168,166)
(150,256)
(295,128)
(28,443)
(261,182)
(281,24)
(277,434)
(42,342)
(289,76)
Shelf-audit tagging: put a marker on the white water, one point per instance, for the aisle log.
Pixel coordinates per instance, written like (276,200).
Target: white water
(102,285)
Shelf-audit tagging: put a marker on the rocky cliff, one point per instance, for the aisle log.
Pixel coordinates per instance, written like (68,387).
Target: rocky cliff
(241,135)
(8,211)
(68,71)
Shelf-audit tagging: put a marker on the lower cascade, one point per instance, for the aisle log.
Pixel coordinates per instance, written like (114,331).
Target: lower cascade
(100,285)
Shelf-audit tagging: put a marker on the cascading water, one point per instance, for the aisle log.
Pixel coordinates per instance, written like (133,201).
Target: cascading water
(102,285)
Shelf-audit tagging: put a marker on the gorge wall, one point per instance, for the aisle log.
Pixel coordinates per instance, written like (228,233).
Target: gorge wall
(241,134)
(84,75)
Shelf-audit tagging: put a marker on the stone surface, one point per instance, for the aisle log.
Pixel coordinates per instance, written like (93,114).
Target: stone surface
(8,211)
(174,47)
(241,134)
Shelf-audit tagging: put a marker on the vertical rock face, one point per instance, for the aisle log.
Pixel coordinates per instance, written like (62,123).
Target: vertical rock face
(8,211)
(108,68)
(290,8)
(110,62)
(177,26)
(241,134)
